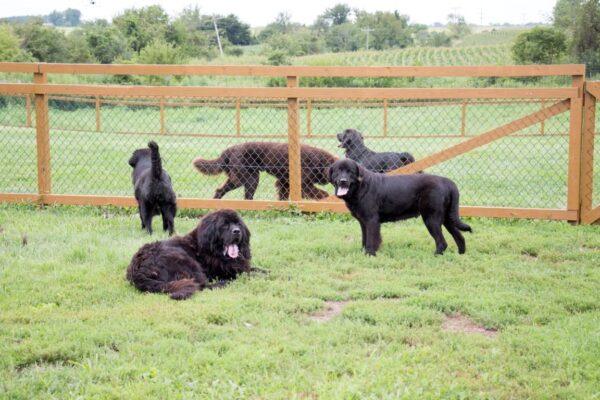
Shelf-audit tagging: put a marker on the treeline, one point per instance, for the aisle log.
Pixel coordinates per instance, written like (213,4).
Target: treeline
(69,17)
(149,35)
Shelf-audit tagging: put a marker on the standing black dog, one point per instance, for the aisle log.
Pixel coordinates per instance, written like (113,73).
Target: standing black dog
(353,142)
(152,187)
(376,198)
(217,249)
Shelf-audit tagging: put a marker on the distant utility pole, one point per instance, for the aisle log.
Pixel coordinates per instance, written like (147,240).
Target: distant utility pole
(217,33)
(367,29)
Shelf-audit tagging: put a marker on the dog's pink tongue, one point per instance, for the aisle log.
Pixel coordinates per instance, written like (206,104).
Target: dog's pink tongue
(341,191)
(233,251)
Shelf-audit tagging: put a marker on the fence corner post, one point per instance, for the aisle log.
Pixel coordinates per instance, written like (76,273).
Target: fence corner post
(575,136)
(42,129)
(294,155)
(587,157)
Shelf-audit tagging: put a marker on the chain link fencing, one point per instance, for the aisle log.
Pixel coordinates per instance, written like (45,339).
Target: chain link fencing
(92,138)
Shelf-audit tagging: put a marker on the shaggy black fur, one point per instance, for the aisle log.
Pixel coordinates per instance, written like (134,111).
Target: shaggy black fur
(218,249)
(353,142)
(152,187)
(377,198)
(243,163)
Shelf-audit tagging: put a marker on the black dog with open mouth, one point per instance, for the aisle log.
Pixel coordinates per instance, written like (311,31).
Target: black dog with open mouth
(353,142)
(377,198)
(216,251)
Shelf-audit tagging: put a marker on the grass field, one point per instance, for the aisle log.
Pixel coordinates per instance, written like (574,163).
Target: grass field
(72,327)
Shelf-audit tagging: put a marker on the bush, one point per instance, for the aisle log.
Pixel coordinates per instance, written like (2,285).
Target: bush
(540,46)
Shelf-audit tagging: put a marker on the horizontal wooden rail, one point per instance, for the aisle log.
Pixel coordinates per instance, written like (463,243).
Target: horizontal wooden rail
(325,71)
(296,92)
(328,205)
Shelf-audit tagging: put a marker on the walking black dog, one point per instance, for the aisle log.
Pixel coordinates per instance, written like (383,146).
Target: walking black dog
(152,187)
(377,198)
(353,142)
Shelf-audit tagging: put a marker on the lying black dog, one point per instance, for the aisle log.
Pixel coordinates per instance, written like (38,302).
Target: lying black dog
(152,187)
(353,142)
(376,198)
(218,249)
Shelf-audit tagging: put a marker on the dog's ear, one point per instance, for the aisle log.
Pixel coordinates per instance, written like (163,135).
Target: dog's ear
(360,135)
(245,244)
(360,172)
(208,234)
(133,159)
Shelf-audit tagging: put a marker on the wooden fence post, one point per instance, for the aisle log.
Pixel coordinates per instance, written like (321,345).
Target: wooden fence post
(463,117)
(574,168)
(385,117)
(42,129)
(542,124)
(28,101)
(238,117)
(587,158)
(294,143)
(309,118)
(162,115)
(98,126)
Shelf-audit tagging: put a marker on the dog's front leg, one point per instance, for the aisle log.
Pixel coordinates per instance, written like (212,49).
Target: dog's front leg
(373,236)
(363,231)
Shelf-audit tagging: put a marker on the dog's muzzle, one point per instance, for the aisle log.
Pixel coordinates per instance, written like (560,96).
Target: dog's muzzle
(343,186)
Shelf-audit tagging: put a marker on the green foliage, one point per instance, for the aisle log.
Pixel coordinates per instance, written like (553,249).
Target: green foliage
(106,42)
(337,14)
(187,33)
(586,34)
(142,25)
(457,26)
(540,46)
(235,31)
(565,13)
(69,17)
(9,45)
(78,48)
(278,57)
(389,29)
(235,51)
(433,39)
(344,37)
(44,43)
(160,52)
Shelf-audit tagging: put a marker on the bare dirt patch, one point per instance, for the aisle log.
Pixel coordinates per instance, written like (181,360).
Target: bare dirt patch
(460,323)
(332,308)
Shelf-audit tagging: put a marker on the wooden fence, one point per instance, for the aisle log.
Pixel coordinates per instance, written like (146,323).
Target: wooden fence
(575,99)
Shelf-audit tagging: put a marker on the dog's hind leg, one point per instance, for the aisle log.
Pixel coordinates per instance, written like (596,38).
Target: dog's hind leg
(168,217)
(141,216)
(434,226)
(146,215)
(456,235)
(228,186)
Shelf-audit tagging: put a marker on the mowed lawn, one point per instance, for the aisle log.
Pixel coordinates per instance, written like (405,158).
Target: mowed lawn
(72,327)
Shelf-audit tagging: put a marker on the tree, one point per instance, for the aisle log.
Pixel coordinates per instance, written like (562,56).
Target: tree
(106,42)
(142,25)
(586,34)
(78,49)
(338,14)
(44,43)
(236,32)
(565,14)
(187,32)
(9,45)
(389,29)
(344,37)
(160,52)
(539,46)
(457,26)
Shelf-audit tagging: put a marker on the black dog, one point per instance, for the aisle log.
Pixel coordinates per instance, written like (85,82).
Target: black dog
(217,249)
(376,198)
(152,187)
(353,142)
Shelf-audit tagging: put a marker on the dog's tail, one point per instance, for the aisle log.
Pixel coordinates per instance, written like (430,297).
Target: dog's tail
(181,289)
(453,211)
(211,167)
(156,161)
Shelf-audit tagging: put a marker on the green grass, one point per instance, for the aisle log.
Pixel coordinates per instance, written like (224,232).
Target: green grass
(72,327)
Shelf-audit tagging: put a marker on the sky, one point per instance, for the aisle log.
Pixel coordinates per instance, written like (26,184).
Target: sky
(259,13)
